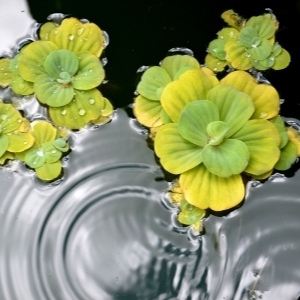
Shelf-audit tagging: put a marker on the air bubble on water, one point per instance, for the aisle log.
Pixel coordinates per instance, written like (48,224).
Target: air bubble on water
(106,38)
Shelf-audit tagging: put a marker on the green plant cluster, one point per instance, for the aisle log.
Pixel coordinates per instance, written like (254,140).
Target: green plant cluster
(39,144)
(247,44)
(215,134)
(63,70)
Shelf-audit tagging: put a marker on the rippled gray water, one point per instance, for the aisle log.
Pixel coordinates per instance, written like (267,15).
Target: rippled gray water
(103,233)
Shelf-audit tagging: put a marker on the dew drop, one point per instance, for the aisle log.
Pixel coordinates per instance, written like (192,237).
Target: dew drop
(80,31)
(19,120)
(63,112)
(5,74)
(71,37)
(2,69)
(55,32)
(53,151)
(4,117)
(91,101)
(81,112)
(248,55)
(25,143)
(40,153)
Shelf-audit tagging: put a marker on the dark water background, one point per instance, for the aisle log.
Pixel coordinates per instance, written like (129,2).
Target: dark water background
(102,231)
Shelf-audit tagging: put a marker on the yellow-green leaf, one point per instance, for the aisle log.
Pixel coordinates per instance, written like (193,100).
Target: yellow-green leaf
(176,154)
(191,86)
(76,36)
(20,141)
(206,190)
(48,171)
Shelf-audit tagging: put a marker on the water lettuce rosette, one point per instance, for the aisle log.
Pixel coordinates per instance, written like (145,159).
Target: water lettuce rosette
(15,135)
(45,154)
(219,132)
(247,44)
(65,71)
(147,107)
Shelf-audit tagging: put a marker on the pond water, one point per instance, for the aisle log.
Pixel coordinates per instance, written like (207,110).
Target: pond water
(103,231)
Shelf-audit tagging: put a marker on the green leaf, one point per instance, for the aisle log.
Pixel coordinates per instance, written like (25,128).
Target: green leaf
(61,144)
(6,74)
(262,139)
(264,96)
(216,48)
(43,132)
(288,156)
(176,154)
(191,86)
(86,106)
(190,214)
(214,63)
(152,82)
(32,59)
(10,118)
(175,65)
(4,142)
(51,92)
(194,120)
(48,172)
(263,25)
(279,123)
(20,141)
(206,190)
(35,158)
(262,51)
(237,55)
(216,131)
(147,112)
(61,62)
(282,60)
(235,107)
(52,154)
(248,37)
(21,86)
(90,72)
(229,158)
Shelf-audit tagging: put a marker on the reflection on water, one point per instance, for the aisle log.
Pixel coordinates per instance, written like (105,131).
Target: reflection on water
(15,22)
(101,232)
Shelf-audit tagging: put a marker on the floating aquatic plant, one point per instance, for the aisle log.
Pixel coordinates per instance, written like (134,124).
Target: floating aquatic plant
(218,135)
(63,69)
(247,44)
(45,154)
(15,135)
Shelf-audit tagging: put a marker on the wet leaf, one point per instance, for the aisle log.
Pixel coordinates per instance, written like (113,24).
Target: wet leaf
(6,74)
(43,132)
(76,36)
(35,158)
(86,106)
(4,142)
(288,156)
(190,214)
(90,72)
(214,63)
(282,60)
(20,141)
(51,92)
(265,97)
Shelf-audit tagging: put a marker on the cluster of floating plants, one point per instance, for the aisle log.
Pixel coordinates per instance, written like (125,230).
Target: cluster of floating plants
(62,69)
(215,134)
